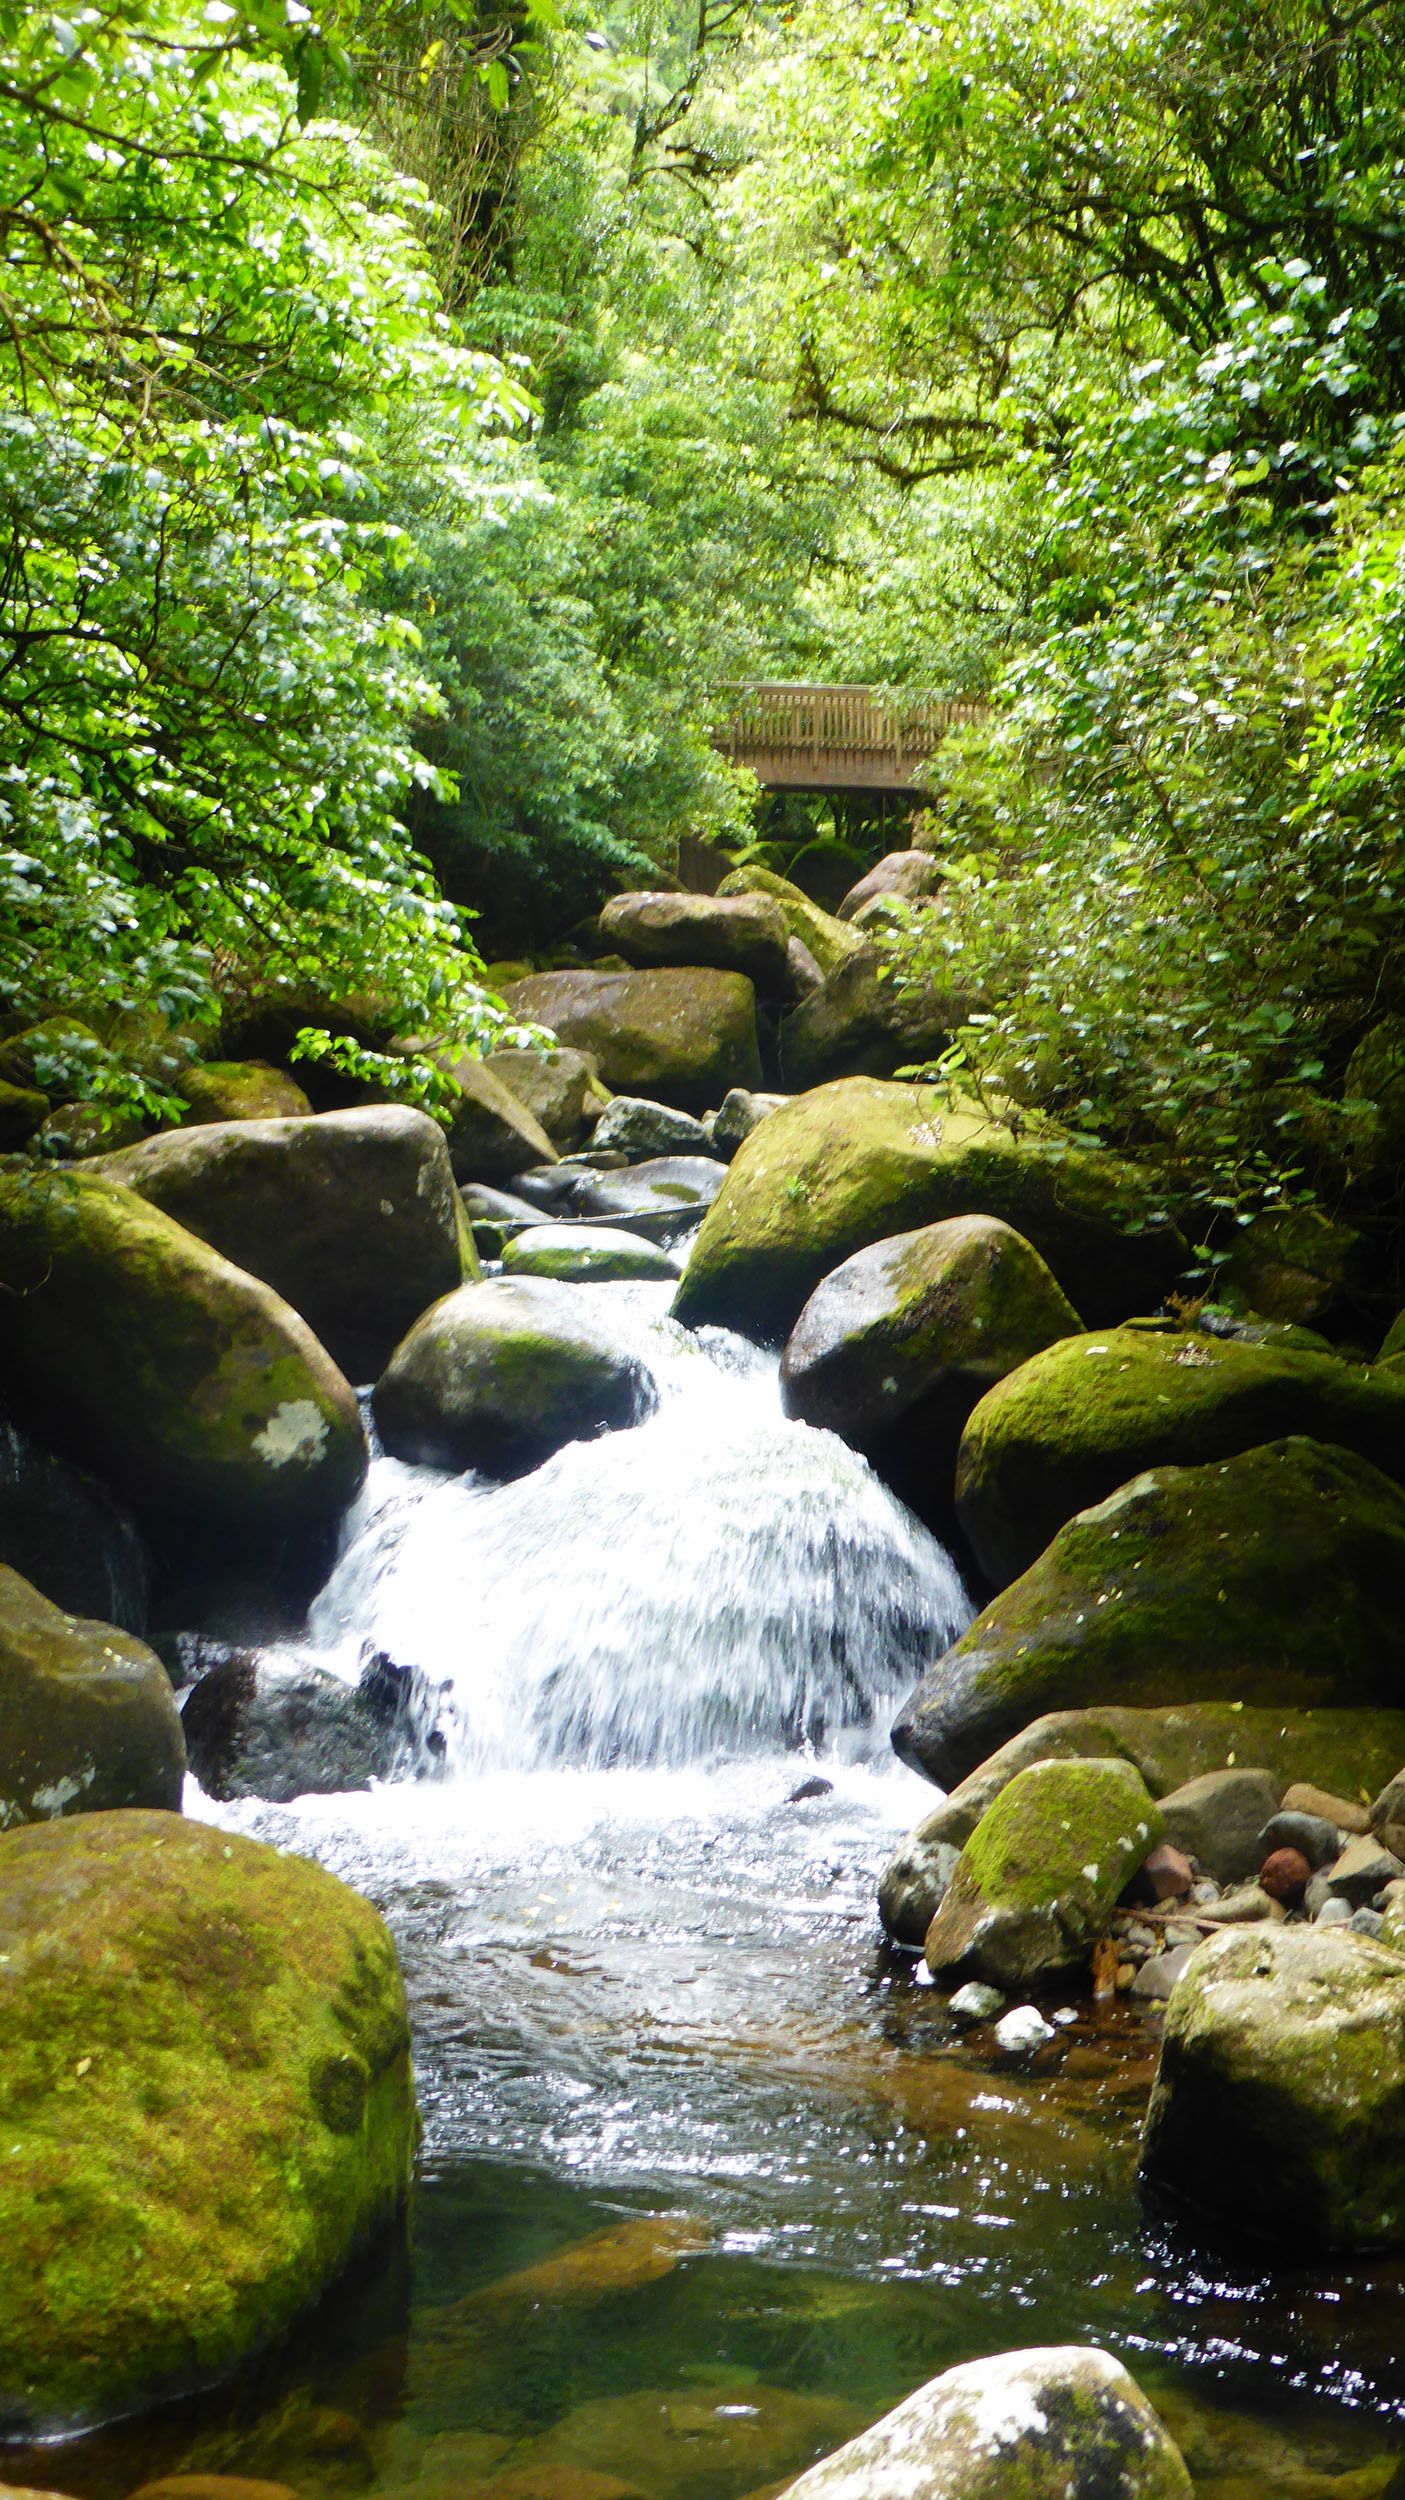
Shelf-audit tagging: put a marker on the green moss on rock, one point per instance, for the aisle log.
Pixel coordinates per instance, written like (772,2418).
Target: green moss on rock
(500,1374)
(205,2103)
(830,941)
(240,1089)
(1034,1884)
(87,1715)
(680,1037)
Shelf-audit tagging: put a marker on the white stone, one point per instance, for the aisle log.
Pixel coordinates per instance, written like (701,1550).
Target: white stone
(1023,2027)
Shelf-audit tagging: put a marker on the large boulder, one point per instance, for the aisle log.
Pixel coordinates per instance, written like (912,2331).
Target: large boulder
(69,1534)
(87,1715)
(275,1725)
(859,1023)
(1073,1424)
(499,1375)
(686,1037)
(825,939)
(1273,1577)
(895,1347)
(240,1089)
(493,1133)
(643,1131)
(853,1162)
(1062,2422)
(1035,1884)
(664,1197)
(206,2105)
(899,877)
(352,1216)
(1279,2102)
(175,1374)
(1348,1750)
(731,933)
(560,1088)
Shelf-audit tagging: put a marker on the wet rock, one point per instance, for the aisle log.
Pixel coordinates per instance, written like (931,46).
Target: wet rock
(579,1252)
(1091,1413)
(623,2257)
(1023,2030)
(1316,1839)
(273,1725)
(492,1133)
(1059,2423)
(351,1216)
(1345,1814)
(240,1089)
(1284,1876)
(680,1037)
(860,1023)
(1160,1593)
(897,1345)
(181,1377)
(1165,1874)
(857,1161)
(167,1989)
(739,1114)
(730,933)
(667,1196)
(808,1790)
(69,1534)
(975,2002)
(1219,1820)
(500,1374)
(87,1716)
(693,2441)
(901,876)
(560,1088)
(482,1204)
(1363,1870)
(1038,1878)
(642,1131)
(1280,2089)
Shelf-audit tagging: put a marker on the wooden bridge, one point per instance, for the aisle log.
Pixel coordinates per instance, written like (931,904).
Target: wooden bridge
(836,737)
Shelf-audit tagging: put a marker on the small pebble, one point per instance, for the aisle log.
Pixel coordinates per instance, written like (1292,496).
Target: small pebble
(1332,1913)
(923,1977)
(1367,1923)
(1022,2029)
(975,2003)
(1126,1973)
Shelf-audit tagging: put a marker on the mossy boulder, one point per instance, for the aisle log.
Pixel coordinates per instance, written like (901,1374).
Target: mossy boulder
(1279,2102)
(1034,1885)
(859,1023)
(87,1715)
(826,939)
(240,1089)
(1296,1264)
(67,1532)
(897,1345)
(23,1109)
(1077,1421)
(493,1133)
(1349,1751)
(173,1373)
(580,1253)
(1270,1577)
(352,1216)
(560,1088)
(500,1374)
(853,1162)
(683,1037)
(206,2106)
(731,933)
(1059,2422)
(52,1056)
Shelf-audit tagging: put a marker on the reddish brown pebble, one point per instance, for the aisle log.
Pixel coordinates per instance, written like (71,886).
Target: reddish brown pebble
(1165,1874)
(1284,1876)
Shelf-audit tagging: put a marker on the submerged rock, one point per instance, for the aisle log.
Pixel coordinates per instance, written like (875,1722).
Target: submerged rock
(731,933)
(691,2441)
(177,1375)
(1073,1424)
(352,1216)
(1218,1583)
(684,1037)
(1036,1882)
(206,2105)
(276,1726)
(1279,2102)
(499,1375)
(857,1161)
(87,1716)
(1062,2422)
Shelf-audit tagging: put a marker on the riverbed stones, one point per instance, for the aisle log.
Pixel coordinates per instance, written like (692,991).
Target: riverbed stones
(1219,1583)
(560,1088)
(1279,2102)
(664,1198)
(740,1112)
(1039,1876)
(645,1131)
(1082,1418)
(854,1162)
(1219,1819)
(205,2101)
(240,1089)
(172,1372)
(585,1253)
(730,933)
(502,1373)
(897,1345)
(87,1716)
(682,1037)
(352,1216)
(1052,2423)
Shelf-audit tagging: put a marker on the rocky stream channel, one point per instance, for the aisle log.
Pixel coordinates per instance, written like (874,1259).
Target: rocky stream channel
(585,1666)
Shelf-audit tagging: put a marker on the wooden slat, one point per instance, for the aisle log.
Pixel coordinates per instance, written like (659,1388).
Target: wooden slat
(842,737)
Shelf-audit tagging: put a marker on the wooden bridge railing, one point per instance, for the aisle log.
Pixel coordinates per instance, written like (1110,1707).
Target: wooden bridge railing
(835,737)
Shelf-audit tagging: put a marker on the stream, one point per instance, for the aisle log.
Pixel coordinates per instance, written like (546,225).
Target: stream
(709,2179)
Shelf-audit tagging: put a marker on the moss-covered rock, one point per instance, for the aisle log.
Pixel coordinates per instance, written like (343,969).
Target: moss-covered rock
(1279,2102)
(51,1056)
(1062,2422)
(896,1345)
(827,940)
(23,1109)
(1271,1577)
(1073,1424)
(853,1162)
(240,1089)
(352,1216)
(560,1088)
(274,1725)
(1035,1883)
(500,1374)
(493,1133)
(87,1715)
(1349,1751)
(578,1253)
(685,1037)
(205,2100)
(1296,1264)
(731,933)
(858,1023)
(173,1373)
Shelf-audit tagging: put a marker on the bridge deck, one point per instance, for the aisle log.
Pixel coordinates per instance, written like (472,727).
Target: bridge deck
(836,737)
